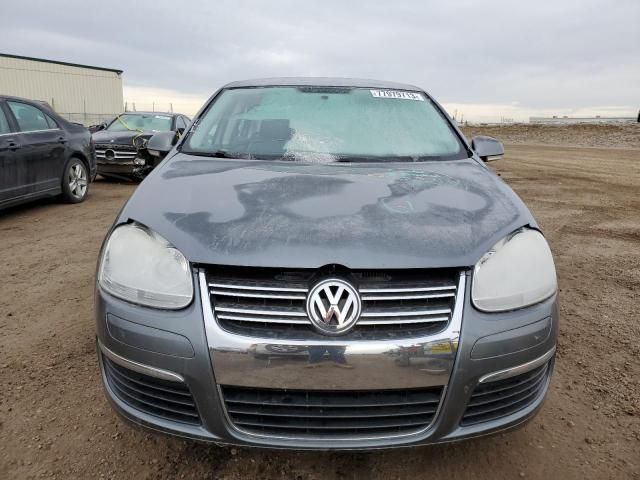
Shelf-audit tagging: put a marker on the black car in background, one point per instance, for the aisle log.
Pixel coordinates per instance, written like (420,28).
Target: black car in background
(42,154)
(121,146)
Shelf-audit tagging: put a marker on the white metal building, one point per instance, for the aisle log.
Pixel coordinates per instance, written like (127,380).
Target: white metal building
(80,93)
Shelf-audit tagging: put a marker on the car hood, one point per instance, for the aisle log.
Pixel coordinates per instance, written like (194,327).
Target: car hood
(119,138)
(289,214)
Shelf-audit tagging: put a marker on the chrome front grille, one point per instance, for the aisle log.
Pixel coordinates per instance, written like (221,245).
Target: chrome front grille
(120,152)
(272,302)
(331,414)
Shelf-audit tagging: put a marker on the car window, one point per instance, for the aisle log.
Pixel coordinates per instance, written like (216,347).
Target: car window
(325,124)
(51,122)
(4,124)
(29,117)
(179,123)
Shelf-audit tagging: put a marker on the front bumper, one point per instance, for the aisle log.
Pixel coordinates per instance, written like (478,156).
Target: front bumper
(127,168)
(190,345)
(137,168)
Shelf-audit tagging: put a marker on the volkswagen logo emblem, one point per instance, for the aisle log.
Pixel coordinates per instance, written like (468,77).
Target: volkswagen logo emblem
(333,306)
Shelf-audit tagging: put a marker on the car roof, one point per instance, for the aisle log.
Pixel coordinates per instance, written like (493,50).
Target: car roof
(45,104)
(321,82)
(36,103)
(22,99)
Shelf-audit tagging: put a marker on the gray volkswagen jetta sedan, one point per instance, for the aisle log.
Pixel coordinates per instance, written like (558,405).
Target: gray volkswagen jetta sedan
(325,264)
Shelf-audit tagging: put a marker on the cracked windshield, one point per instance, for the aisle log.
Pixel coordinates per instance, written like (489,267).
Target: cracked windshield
(324,125)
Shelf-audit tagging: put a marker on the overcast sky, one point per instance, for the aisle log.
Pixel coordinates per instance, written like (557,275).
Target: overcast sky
(486,59)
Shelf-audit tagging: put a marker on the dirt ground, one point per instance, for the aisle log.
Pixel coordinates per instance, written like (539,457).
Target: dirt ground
(622,135)
(55,422)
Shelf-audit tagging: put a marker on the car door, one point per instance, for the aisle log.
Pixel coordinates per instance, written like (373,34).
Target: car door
(11,183)
(42,147)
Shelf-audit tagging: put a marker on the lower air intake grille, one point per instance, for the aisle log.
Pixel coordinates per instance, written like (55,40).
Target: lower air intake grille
(494,400)
(336,414)
(169,400)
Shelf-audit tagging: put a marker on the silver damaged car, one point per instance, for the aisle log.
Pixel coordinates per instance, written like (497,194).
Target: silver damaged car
(324,263)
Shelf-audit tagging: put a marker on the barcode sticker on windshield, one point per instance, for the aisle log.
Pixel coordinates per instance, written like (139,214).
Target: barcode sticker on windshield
(399,94)
(163,117)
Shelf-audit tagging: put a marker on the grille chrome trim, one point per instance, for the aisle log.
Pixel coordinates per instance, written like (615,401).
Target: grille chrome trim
(404,322)
(403,313)
(394,304)
(493,400)
(151,395)
(399,290)
(120,152)
(234,293)
(139,367)
(115,146)
(261,320)
(513,371)
(375,361)
(276,313)
(116,153)
(253,287)
(407,297)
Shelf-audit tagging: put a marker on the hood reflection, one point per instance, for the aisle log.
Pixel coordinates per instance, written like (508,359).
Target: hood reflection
(263,213)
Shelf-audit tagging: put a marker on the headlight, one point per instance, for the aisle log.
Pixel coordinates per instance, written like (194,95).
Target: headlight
(518,271)
(140,266)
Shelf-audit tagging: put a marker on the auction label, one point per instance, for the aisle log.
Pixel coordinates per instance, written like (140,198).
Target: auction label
(399,94)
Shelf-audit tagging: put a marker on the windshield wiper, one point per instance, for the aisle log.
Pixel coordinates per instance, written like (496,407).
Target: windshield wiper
(221,154)
(216,154)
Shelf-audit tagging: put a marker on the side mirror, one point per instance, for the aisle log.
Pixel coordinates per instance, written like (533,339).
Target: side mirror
(161,143)
(97,127)
(487,148)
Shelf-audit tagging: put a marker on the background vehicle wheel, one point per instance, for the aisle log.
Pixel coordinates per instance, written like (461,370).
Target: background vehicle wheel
(75,181)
